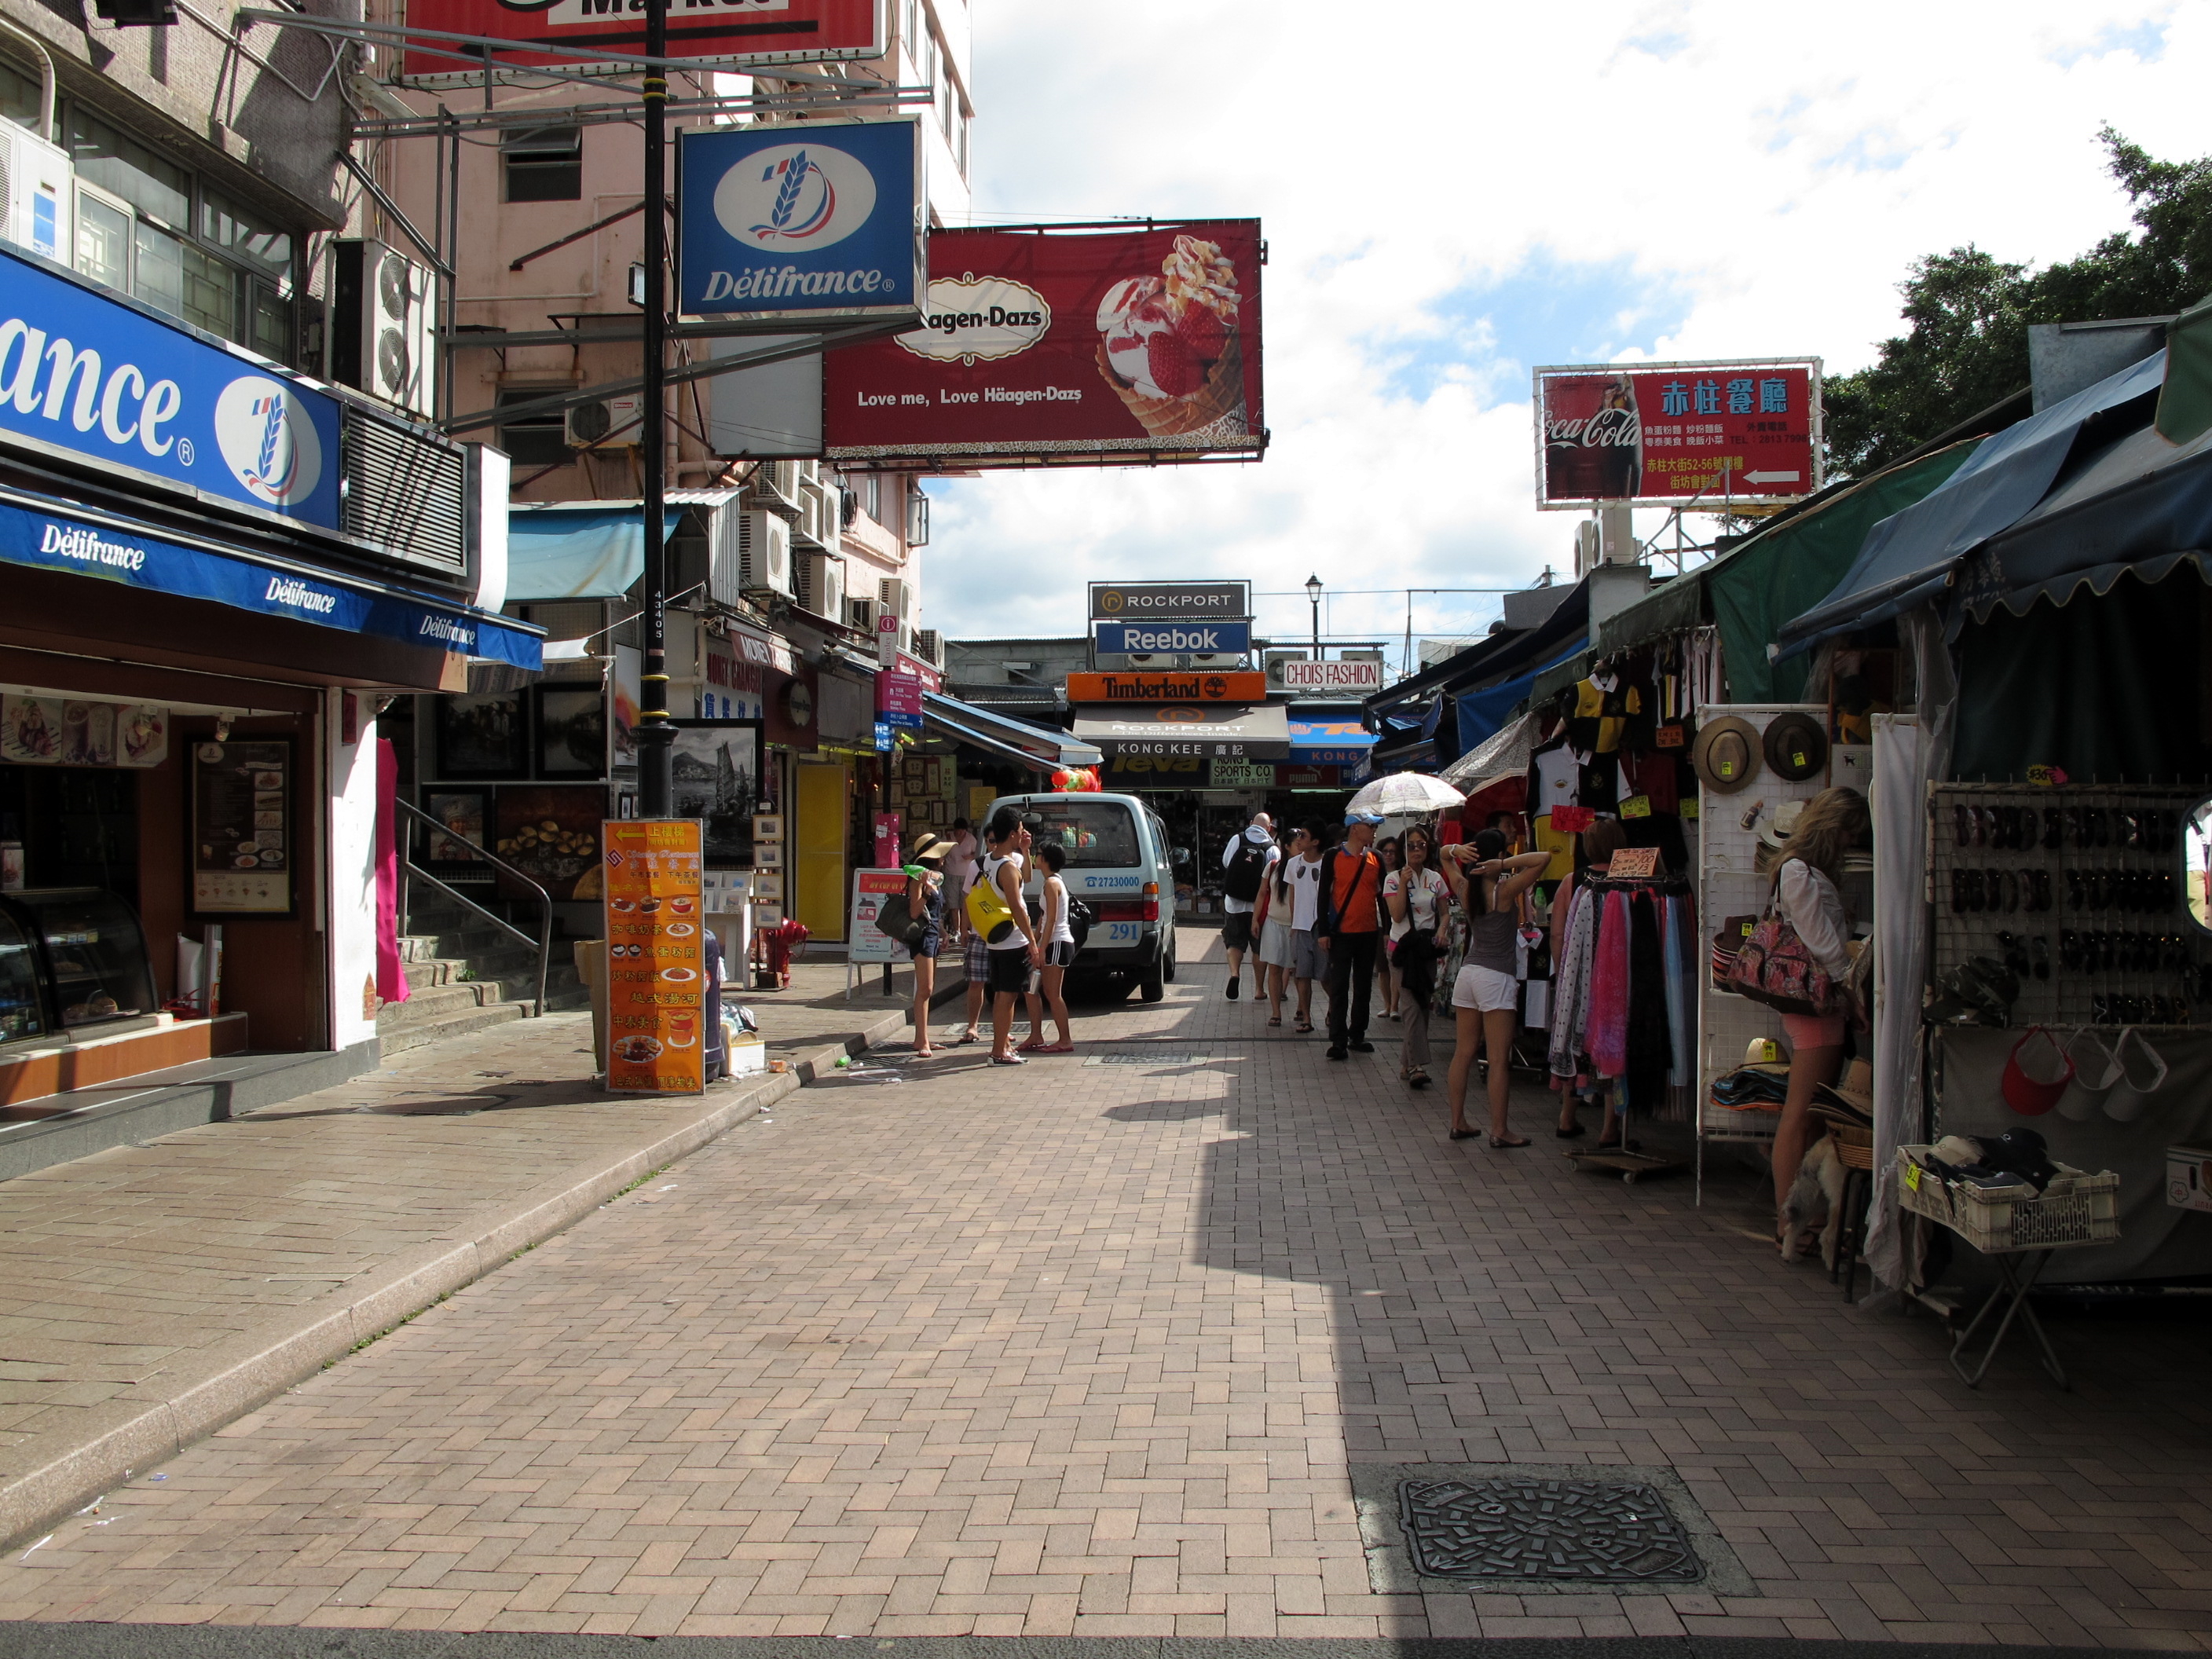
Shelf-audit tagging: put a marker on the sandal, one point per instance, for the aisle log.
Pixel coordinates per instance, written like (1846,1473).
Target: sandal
(1508,1145)
(1057,1048)
(1277,1020)
(1305,1027)
(1418,1078)
(1574,1133)
(1008,1059)
(1467,1135)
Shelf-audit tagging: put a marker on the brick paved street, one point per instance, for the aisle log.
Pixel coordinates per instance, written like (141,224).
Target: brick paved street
(1088,1349)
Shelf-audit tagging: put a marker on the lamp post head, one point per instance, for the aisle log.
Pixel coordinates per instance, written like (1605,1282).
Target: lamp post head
(1313,589)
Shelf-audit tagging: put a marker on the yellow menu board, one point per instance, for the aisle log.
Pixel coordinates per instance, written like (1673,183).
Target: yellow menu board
(656,956)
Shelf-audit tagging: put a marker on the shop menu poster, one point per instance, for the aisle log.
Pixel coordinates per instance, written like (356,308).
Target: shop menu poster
(656,956)
(242,825)
(865,941)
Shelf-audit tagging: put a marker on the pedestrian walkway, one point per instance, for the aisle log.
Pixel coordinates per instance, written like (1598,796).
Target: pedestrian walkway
(1120,1345)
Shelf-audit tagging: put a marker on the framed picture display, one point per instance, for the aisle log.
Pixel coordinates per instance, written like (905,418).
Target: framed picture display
(767,826)
(464,816)
(551,833)
(715,775)
(483,734)
(572,732)
(769,884)
(242,824)
(768,855)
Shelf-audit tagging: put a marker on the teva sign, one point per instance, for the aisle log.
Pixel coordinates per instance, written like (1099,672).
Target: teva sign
(739,33)
(1664,434)
(809,224)
(100,381)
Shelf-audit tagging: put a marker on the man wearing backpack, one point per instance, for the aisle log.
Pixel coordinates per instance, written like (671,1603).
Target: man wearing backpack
(1245,862)
(1351,887)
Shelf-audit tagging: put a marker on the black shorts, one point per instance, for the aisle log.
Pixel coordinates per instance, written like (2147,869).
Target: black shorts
(1010,972)
(1236,930)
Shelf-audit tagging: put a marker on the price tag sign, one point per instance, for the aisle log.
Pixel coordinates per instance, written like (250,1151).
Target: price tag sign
(1635,862)
(1636,806)
(1912,1177)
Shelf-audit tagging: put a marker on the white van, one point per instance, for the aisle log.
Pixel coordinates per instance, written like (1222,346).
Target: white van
(1118,863)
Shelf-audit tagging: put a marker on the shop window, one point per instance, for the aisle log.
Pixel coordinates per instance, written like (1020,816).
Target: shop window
(120,165)
(544,164)
(538,440)
(19,96)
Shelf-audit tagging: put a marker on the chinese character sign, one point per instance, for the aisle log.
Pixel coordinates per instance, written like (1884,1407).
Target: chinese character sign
(656,957)
(1668,434)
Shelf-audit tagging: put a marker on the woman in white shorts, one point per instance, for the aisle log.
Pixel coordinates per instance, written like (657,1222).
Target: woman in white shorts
(1273,920)
(1485,997)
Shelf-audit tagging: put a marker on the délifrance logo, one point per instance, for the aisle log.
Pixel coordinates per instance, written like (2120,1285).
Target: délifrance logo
(795,198)
(268,441)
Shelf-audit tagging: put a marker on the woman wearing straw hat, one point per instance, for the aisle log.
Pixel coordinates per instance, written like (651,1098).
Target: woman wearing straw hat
(925,897)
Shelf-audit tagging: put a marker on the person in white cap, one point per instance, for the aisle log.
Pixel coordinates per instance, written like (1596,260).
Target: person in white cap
(1245,862)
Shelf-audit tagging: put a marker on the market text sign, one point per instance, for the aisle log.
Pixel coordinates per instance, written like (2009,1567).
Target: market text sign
(736,31)
(656,956)
(1170,601)
(1663,434)
(1236,686)
(1332,675)
(1084,347)
(1148,639)
(815,221)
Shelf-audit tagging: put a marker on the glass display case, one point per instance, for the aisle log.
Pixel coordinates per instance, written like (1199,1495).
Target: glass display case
(22,1006)
(92,954)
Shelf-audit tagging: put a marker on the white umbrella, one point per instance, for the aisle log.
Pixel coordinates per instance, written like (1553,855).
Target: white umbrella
(1405,794)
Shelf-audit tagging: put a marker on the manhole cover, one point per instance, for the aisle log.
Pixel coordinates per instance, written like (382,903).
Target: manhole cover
(1147,1060)
(1585,1531)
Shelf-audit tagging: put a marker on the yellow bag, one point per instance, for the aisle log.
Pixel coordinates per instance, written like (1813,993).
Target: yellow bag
(988,913)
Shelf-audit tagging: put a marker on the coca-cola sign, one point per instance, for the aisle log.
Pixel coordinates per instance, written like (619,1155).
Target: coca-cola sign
(1668,435)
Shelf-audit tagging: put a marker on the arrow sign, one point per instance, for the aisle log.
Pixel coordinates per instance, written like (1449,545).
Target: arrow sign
(1772,477)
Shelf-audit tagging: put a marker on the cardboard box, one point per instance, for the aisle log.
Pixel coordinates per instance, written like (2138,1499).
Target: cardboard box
(2189,1177)
(747,1053)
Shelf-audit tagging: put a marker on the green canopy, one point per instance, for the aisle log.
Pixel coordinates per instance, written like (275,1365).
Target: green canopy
(2185,402)
(1776,574)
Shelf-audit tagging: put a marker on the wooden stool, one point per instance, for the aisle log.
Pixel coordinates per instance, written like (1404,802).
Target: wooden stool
(1855,1152)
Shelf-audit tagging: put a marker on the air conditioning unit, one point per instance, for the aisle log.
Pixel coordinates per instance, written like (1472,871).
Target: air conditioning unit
(895,594)
(817,516)
(38,194)
(384,324)
(821,586)
(775,487)
(610,423)
(929,645)
(764,563)
(861,614)
(1588,547)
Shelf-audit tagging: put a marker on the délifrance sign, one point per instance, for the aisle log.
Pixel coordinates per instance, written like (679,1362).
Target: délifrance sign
(812,223)
(101,381)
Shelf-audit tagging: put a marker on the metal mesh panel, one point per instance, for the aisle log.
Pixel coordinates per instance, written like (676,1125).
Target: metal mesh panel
(405,491)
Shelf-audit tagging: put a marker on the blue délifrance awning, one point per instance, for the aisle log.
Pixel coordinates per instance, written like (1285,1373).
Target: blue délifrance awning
(1330,743)
(44,535)
(594,552)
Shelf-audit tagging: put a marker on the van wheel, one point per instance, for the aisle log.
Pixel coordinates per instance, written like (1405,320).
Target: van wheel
(1167,967)
(1152,986)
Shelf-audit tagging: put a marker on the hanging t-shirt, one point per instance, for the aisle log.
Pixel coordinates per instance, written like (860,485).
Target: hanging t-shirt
(1602,711)
(1554,778)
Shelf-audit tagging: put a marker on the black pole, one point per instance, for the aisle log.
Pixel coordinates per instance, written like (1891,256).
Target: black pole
(655,735)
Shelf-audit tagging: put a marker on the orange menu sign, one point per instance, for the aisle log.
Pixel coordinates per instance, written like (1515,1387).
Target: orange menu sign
(656,956)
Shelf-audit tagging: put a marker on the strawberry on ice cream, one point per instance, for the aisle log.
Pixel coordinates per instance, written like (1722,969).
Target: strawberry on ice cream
(1169,342)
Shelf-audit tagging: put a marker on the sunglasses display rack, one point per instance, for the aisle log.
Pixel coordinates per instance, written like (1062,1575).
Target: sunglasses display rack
(2078,891)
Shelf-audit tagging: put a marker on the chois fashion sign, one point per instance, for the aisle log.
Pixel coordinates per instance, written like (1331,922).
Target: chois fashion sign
(1667,432)
(99,380)
(1070,347)
(813,222)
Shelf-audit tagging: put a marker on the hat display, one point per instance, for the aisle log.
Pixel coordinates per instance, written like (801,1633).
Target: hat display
(1726,754)
(1777,829)
(1797,748)
(1853,1091)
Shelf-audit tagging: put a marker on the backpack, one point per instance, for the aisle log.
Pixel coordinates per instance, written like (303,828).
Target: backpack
(988,913)
(1081,918)
(1246,866)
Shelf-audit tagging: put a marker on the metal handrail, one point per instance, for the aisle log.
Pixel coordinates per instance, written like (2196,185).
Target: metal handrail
(543,944)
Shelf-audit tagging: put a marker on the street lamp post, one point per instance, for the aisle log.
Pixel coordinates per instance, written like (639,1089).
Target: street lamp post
(655,735)
(1313,593)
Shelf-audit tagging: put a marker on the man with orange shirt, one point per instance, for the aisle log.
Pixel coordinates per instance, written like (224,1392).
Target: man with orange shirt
(1350,920)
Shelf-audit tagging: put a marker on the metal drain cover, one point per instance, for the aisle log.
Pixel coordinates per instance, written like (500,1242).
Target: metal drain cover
(1147,1060)
(1595,1532)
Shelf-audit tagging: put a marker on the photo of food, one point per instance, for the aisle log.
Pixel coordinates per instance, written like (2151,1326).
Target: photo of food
(638,1050)
(550,835)
(144,729)
(1169,345)
(30,729)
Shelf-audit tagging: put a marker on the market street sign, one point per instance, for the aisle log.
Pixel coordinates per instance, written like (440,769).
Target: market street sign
(1146,638)
(1332,675)
(1663,435)
(814,223)
(1201,730)
(1170,601)
(1238,685)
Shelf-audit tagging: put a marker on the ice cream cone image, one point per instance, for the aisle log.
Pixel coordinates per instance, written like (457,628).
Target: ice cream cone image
(1169,345)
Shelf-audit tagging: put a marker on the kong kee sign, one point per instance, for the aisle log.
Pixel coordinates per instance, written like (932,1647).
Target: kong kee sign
(1238,686)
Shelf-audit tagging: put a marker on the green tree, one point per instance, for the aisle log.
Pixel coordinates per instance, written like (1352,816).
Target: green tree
(1968,311)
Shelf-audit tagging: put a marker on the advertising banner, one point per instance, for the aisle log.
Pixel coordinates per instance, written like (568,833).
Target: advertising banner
(1144,639)
(864,940)
(656,958)
(1236,686)
(1662,434)
(1190,730)
(815,222)
(738,32)
(1309,676)
(1170,601)
(98,381)
(1063,347)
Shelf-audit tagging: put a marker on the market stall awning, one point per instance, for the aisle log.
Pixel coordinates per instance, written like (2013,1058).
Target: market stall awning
(1201,731)
(1494,657)
(1039,745)
(1330,743)
(1503,755)
(585,550)
(1910,557)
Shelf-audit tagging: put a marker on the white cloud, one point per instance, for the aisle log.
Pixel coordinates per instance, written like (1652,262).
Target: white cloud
(1691,180)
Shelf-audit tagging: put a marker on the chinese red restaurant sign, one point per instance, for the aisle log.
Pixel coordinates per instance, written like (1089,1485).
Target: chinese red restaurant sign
(1082,348)
(733,31)
(656,956)
(1664,433)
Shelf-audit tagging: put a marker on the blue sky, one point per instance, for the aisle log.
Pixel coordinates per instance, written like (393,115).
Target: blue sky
(1492,189)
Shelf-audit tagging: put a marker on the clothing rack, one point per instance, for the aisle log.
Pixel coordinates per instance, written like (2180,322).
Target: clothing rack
(1632,1165)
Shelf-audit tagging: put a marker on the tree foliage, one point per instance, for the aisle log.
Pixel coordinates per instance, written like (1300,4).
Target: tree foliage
(1968,311)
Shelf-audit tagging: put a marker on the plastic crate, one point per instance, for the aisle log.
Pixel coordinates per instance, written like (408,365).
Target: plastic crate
(2075,1208)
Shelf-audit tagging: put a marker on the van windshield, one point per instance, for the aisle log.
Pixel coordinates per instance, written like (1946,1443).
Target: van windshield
(1098,835)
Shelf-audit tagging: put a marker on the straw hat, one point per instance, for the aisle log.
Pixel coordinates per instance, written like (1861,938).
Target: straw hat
(1726,754)
(930,847)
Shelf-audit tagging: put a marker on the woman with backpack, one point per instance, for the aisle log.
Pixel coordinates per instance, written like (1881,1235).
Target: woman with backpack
(925,902)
